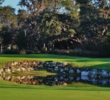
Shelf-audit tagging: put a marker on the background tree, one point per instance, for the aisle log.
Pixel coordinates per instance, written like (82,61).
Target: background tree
(1,1)
(21,40)
(57,24)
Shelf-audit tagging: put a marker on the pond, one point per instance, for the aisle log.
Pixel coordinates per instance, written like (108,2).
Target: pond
(56,80)
(66,74)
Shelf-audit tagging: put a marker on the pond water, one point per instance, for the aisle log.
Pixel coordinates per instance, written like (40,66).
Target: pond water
(68,74)
(57,80)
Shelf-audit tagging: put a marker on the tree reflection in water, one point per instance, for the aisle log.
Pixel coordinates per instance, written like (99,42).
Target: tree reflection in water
(56,80)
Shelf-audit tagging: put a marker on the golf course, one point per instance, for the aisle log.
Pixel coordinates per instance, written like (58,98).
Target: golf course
(79,91)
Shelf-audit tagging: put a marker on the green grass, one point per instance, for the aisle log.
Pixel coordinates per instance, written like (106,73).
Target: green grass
(100,63)
(12,91)
(80,91)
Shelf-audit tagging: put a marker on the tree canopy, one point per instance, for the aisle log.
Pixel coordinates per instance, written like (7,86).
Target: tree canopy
(57,24)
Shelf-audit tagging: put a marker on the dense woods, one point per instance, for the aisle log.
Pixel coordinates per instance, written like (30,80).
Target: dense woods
(72,27)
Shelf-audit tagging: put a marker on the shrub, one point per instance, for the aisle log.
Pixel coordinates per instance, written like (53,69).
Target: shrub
(29,52)
(76,52)
(7,51)
(53,51)
(37,52)
(23,52)
(44,50)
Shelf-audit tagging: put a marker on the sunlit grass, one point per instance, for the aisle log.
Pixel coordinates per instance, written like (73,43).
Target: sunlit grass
(12,91)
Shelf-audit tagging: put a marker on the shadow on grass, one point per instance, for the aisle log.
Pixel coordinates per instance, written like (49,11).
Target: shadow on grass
(20,87)
(96,65)
(30,55)
(48,56)
(106,60)
(102,66)
(84,86)
(55,57)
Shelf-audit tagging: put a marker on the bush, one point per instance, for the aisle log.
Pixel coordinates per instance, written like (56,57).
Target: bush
(53,51)
(37,52)
(76,52)
(7,51)
(44,50)
(23,52)
(29,52)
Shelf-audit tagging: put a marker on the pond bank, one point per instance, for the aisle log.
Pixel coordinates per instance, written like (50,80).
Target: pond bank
(61,68)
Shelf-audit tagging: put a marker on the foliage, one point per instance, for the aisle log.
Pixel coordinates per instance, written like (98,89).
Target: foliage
(6,51)
(76,52)
(8,17)
(23,52)
(46,25)
(1,1)
(21,40)
(29,51)
(6,36)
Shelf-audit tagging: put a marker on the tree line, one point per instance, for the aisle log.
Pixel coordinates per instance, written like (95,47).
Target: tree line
(55,25)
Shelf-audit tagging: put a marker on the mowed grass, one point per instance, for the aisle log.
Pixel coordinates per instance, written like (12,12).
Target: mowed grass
(99,63)
(80,91)
(12,91)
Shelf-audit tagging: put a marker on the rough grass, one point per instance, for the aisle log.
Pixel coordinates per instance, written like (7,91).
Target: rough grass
(80,91)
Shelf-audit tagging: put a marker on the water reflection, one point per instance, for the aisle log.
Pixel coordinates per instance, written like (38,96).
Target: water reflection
(56,80)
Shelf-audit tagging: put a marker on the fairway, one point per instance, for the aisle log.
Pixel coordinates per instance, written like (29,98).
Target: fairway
(80,91)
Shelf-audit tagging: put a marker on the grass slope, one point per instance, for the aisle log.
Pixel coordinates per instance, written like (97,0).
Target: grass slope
(13,91)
